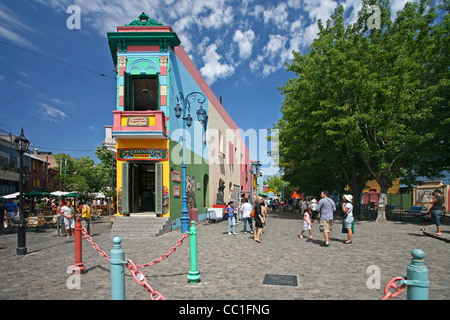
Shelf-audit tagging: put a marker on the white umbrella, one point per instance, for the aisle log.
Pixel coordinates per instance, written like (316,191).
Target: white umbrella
(99,195)
(11,196)
(59,193)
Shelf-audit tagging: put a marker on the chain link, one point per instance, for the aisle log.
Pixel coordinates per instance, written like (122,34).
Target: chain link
(391,284)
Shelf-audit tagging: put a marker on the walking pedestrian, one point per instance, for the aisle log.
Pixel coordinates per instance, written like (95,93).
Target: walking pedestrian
(246,209)
(307,222)
(315,213)
(85,213)
(326,208)
(10,211)
(347,208)
(229,210)
(437,209)
(68,213)
(259,219)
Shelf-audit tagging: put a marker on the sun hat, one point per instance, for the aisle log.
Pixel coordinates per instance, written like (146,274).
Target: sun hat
(348,197)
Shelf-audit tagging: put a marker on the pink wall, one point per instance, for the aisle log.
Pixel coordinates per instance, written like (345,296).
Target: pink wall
(192,69)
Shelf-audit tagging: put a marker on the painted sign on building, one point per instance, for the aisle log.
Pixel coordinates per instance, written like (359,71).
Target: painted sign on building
(142,154)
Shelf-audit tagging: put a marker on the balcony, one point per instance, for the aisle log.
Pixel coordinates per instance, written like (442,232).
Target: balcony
(139,125)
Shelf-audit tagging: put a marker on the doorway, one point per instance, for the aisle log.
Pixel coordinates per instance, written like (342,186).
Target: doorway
(142,187)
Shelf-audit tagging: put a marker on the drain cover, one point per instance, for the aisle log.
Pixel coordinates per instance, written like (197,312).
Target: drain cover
(280,280)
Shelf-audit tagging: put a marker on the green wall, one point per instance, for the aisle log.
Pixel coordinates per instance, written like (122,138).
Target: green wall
(195,170)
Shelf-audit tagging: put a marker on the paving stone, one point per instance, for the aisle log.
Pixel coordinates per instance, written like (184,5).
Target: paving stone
(232,267)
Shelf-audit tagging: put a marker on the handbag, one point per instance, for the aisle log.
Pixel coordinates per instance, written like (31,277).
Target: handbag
(252,214)
(344,229)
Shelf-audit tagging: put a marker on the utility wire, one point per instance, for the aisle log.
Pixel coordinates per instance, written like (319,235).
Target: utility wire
(57,60)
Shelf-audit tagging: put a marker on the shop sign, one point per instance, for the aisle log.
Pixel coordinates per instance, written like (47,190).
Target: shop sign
(142,154)
(137,122)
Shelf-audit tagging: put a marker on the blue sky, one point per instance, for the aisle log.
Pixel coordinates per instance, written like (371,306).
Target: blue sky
(240,48)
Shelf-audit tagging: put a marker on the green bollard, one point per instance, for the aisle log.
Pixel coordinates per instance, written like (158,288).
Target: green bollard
(117,261)
(417,281)
(194,274)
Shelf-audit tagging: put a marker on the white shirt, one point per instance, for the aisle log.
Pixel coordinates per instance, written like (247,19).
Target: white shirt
(246,209)
(67,211)
(350,209)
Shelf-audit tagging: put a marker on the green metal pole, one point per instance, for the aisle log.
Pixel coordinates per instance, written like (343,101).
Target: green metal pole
(417,281)
(194,274)
(117,261)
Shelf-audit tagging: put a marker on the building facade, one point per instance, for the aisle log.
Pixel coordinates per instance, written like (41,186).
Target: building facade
(156,81)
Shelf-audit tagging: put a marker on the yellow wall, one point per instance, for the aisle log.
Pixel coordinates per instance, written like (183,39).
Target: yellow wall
(373,184)
(143,144)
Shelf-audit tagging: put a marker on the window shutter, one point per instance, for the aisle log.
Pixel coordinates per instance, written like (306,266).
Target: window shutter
(128,92)
(159,188)
(125,192)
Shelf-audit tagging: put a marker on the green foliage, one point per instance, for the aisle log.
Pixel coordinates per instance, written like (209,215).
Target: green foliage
(369,104)
(83,175)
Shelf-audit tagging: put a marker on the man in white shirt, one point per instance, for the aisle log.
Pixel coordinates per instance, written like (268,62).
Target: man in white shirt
(246,209)
(68,212)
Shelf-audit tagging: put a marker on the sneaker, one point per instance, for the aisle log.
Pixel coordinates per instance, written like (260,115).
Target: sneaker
(234,233)
(245,232)
(310,237)
(251,232)
(300,236)
(229,232)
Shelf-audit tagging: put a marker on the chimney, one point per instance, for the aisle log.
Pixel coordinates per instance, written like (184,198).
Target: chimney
(35,151)
(220,99)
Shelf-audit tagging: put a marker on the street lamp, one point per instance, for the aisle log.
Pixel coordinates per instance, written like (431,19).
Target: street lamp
(21,144)
(192,97)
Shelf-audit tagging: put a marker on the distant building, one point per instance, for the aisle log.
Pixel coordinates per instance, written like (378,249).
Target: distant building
(37,169)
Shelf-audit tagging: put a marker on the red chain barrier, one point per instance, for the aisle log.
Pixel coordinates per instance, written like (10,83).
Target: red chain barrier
(391,284)
(138,275)
(164,256)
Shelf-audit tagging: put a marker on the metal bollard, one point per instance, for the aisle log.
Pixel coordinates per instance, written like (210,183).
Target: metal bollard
(417,281)
(117,261)
(194,274)
(78,265)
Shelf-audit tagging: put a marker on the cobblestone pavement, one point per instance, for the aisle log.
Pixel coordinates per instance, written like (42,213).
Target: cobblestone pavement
(232,267)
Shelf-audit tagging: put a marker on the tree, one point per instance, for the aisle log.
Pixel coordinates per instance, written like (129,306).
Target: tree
(83,175)
(276,183)
(365,102)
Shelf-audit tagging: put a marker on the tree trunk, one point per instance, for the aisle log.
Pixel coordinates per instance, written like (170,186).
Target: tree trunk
(381,212)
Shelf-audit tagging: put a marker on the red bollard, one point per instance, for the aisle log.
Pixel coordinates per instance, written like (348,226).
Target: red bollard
(78,265)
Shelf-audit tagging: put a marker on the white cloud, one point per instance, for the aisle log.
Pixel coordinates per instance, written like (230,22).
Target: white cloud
(319,9)
(15,37)
(245,42)
(52,114)
(278,14)
(213,68)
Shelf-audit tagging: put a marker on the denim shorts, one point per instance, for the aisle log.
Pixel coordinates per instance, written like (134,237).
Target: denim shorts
(436,216)
(348,222)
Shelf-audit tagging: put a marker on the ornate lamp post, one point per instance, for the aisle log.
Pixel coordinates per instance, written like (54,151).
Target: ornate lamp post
(192,97)
(21,144)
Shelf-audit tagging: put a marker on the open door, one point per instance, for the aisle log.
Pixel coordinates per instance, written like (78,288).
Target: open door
(125,189)
(159,188)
